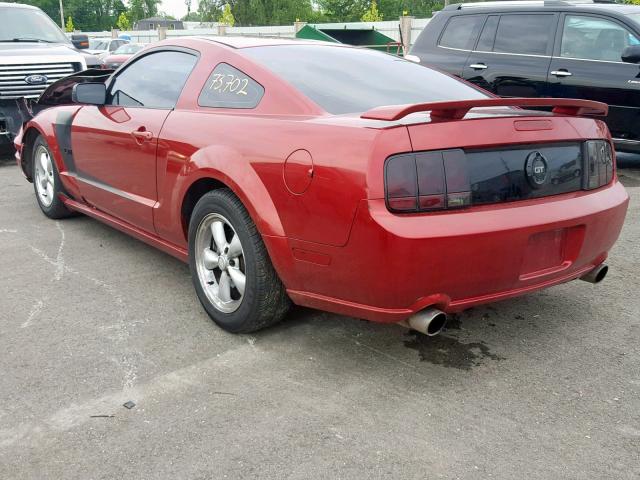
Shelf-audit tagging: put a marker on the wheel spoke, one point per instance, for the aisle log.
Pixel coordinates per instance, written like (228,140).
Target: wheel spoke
(235,248)
(239,279)
(219,237)
(44,163)
(224,287)
(210,259)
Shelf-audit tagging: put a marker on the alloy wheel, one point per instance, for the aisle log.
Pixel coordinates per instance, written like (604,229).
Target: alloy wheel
(220,263)
(44,176)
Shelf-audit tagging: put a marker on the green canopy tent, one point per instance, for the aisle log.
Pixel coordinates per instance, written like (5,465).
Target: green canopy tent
(362,37)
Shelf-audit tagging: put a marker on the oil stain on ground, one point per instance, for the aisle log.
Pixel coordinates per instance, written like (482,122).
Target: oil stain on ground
(448,351)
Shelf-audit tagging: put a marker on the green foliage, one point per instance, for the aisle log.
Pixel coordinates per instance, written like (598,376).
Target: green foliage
(192,17)
(343,10)
(139,9)
(209,10)
(123,22)
(101,15)
(68,27)
(633,2)
(227,17)
(372,15)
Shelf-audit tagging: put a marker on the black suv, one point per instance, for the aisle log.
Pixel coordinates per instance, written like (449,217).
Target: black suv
(544,49)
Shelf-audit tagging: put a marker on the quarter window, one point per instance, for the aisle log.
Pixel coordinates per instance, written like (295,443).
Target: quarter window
(228,87)
(524,34)
(154,81)
(461,32)
(594,38)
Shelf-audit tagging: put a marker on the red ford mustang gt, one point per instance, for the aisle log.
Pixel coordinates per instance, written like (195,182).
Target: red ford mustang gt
(332,177)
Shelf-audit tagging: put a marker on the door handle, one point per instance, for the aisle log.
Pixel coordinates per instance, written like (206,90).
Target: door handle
(142,135)
(561,73)
(478,66)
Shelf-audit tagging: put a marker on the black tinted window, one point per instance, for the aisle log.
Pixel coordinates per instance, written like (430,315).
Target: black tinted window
(153,81)
(349,80)
(228,87)
(461,32)
(528,34)
(488,35)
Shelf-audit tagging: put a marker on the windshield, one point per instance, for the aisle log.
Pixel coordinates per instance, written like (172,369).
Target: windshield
(127,49)
(349,80)
(97,44)
(28,24)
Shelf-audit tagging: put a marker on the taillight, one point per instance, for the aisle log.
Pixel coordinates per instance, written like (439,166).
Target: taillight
(439,180)
(427,181)
(599,164)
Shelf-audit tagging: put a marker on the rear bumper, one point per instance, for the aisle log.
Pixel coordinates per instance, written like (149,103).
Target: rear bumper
(396,265)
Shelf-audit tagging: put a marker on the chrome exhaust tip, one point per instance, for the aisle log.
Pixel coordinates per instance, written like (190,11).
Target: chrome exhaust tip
(429,321)
(597,274)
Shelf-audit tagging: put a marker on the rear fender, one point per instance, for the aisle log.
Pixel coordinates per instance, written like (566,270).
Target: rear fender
(229,167)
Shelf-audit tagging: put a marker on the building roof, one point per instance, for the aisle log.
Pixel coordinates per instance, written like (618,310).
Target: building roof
(158,19)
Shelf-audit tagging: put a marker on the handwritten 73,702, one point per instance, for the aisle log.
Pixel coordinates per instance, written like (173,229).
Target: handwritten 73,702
(226,82)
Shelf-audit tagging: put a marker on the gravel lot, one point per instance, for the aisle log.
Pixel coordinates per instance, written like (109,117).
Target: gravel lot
(542,387)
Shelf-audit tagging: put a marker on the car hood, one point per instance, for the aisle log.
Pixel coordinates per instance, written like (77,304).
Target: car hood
(17,52)
(117,58)
(35,49)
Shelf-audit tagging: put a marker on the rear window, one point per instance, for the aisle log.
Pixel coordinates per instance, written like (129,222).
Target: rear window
(524,34)
(349,80)
(461,32)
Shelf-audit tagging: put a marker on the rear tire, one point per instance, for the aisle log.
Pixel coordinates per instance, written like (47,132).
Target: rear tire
(46,181)
(230,266)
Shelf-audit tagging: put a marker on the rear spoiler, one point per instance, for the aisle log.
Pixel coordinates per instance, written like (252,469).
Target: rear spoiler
(456,110)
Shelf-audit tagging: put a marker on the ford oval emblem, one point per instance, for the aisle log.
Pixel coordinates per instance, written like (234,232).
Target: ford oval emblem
(536,169)
(36,79)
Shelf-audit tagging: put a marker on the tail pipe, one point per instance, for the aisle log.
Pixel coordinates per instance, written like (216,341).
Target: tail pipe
(596,275)
(429,321)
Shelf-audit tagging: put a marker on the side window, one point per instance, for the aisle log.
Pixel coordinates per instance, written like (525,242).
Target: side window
(461,32)
(488,35)
(594,38)
(153,81)
(524,34)
(228,87)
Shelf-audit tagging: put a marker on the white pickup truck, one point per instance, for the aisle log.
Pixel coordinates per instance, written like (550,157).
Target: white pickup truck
(34,53)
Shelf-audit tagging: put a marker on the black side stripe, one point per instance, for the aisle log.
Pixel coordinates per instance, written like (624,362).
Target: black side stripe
(63,135)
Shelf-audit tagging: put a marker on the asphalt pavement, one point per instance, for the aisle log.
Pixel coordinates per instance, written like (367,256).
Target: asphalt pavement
(545,386)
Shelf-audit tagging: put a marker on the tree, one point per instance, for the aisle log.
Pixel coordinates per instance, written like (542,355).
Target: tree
(192,17)
(209,10)
(69,25)
(227,17)
(139,9)
(123,22)
(343,10)
(372,15)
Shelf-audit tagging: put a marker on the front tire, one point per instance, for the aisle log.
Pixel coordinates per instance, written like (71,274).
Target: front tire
(230,266)
(46,181)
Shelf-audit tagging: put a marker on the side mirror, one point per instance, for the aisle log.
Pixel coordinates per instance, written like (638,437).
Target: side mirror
(631,54)
(80,40)
(89,93)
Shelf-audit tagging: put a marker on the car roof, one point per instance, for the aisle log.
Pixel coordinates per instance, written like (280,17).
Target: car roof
(247,42)
(18,5)
(553,5)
